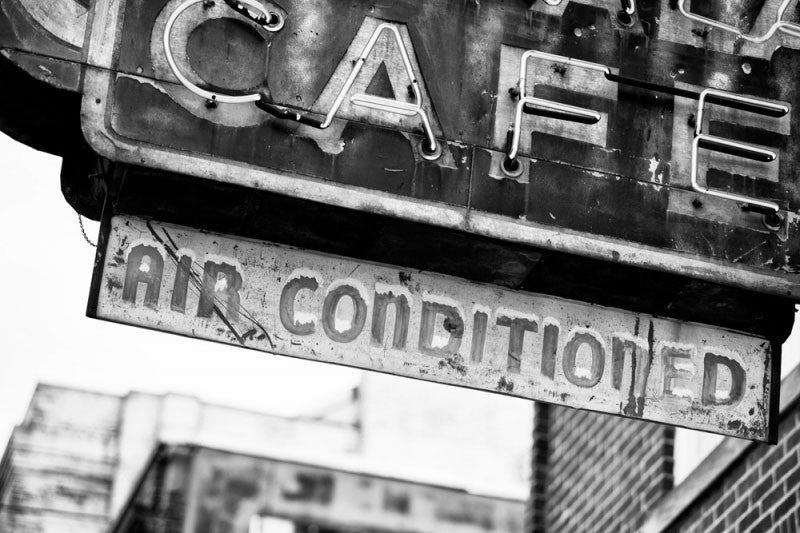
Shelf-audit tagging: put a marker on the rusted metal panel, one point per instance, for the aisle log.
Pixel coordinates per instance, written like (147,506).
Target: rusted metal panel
(46,39)
(229,490)
(61,492)
(427,326)
(11,519)
(57,472)
(265,216)
(619,190)
(157,501)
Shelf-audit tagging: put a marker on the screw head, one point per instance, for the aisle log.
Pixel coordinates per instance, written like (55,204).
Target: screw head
(772,221)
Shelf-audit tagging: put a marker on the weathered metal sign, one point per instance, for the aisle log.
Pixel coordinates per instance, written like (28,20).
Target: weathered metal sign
(433,327)
(624,135)
(45,39)
(341,500)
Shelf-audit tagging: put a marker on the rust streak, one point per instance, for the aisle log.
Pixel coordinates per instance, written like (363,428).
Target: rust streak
(173,254)
(247,314)
(630,408)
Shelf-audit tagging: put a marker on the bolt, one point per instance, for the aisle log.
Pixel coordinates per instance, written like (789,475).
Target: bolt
(773,221)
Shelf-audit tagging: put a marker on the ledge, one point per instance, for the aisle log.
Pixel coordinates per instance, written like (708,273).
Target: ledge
(723,456)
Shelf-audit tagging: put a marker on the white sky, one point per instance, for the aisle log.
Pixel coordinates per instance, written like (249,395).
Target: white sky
(46,267)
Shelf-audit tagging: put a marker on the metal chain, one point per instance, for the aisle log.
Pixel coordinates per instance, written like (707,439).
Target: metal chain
(83,232)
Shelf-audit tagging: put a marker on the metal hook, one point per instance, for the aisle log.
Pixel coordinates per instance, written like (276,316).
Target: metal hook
(385,104)
(271,21)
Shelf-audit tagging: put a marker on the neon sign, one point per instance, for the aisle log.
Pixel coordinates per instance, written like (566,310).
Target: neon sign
(430,148)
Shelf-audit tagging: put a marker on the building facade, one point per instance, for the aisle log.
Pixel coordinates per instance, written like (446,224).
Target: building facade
(72,462)
(76,458)
(598,474)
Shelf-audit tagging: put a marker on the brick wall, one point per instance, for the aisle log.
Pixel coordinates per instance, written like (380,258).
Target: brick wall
(601,473)
(760,492)
(536,510)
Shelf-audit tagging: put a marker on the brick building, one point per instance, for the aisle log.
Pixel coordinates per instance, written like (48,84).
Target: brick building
(597,474)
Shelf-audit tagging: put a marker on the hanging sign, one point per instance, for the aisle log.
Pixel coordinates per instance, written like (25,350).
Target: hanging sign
(428,326)
(623,135)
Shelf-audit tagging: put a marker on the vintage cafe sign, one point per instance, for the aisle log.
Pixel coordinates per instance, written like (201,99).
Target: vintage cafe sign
(433,327)
(526,101)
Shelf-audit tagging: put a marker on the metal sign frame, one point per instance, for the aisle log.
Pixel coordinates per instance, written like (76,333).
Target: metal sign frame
(305,304)
(98,90)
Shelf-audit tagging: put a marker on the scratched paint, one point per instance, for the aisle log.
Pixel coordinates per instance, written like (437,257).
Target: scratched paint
(437,328)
